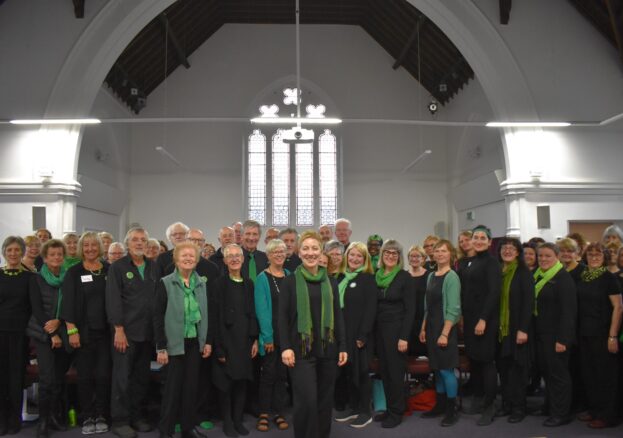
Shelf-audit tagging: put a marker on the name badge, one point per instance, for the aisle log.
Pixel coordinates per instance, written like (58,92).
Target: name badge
(86,278)
(353,285)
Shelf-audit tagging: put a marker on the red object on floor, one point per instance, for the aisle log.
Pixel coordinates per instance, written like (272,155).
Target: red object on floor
(424,401)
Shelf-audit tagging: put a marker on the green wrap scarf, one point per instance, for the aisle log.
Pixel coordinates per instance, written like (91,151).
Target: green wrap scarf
(55,282)
(384,280)
(303,310)
(545,276)
(192,314)
(71,261)
(589,274)
(507,278)
(348,276)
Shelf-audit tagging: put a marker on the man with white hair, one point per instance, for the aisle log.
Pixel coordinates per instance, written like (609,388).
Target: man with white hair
(326,232)
(343,231)
(116,250)
(204,268)
(271,233)
(226,236)
(176,234)
(237,226)
(255,261)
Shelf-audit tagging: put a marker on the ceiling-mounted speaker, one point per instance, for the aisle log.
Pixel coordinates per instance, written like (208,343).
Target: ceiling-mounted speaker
(543,219)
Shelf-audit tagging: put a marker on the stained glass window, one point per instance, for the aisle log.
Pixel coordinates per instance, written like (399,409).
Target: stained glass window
(304,184)
(327,177)
(280,180)
(257,177)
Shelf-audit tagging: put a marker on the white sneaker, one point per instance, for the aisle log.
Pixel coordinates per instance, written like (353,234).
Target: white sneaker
(88,427)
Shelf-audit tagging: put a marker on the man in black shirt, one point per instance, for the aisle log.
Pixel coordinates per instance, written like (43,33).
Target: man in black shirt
(290,236)
(226,236)
(343,232)
(130,291)
(255,261)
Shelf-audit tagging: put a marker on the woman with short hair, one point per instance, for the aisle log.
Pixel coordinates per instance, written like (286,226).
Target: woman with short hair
(555,331)
(33,249)
(84,312)
(569,256)
(599,317)
(14,314)
(529,256)
(208,250)
(71,244)
(335,253)
(416,258)
(311,329)
(395,315)
(180,322)
(152,250)
(273,377)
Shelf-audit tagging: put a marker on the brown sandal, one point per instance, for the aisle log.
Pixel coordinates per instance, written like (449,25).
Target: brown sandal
(262,423)
(281,422)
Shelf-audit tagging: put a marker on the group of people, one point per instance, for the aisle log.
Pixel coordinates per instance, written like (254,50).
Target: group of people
(305,318)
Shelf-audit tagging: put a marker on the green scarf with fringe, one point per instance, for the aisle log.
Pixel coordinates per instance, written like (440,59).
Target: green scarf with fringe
(507,277)
(303,309)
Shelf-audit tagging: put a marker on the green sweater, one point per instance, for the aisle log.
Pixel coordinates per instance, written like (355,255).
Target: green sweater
(451,296)
(174,315)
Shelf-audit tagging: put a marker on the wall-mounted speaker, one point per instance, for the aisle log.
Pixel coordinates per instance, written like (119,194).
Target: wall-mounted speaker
(38,218)
(543,219)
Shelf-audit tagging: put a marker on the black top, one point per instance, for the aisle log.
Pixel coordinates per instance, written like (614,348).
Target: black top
(292,262)
(521,309)
(430,265)
(419,288)
(205,268)
(217,259)
(461,266)
(14,299)
(619,276)
(397,303)
(129,298)
(557,309)
(576,273)
(288,328)
(274,283)
(446,357)
(261,262)
(84,299)
(594,305)
(480,299)
(45,301)
(359,309)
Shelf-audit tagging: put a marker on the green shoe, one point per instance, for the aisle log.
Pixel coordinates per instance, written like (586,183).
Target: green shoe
(178,428)
(207,425)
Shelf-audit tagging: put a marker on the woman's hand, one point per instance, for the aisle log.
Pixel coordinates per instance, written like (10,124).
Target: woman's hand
(402,346)
(120,341)
(207,351)
(613,345)
(254,349)
(560,348)
(51,326)
(74,340)
(163,357)
(287,357)
(423,336)
(442,341)
(342,359)
(269,348)
(480,328)
(56,341)
(522,337)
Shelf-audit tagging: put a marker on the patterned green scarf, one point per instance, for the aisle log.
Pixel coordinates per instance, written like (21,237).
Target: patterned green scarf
(55,282)
(589,274)
(507,277)
(384,280)
(192,314)
(348,276)
(303,310)
(545,276)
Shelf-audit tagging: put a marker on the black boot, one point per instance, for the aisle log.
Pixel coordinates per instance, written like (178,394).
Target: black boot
(452,413)
(488,412)
(439,408)
(42,428)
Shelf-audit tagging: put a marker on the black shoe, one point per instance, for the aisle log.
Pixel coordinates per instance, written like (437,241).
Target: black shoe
(451,416)
(361,421)
(486,418)
(503,411)
(42,429)
(556,421)
(239,427)
(200,432)
(346,416)
(517,416)
(381,416)
(55,424)
(391,421)
(439,408)
(141,425)
(191,434)
(475,406)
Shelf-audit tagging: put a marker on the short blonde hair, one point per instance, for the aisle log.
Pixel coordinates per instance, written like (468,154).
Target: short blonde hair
(90,235)
(363,249)
(418,249)
(274,244)
(29,240)
(68,236)
(310,234)
(568,244)
(185,245)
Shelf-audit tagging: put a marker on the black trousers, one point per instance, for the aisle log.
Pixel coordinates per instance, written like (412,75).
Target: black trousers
(130,380)
(484,377)
(93,367)
(272,390)
(207,396)
(313,382)
(600,369)
(232,402)
(514,381)
(555,369)
(393,366)
(579,398)
(180,389)
(359,384)
(53,365)
(12,368)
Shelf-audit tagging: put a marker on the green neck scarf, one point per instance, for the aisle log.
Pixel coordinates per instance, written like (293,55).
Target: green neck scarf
(589,274)
(375,262)
(303,310)
(71,261)
(546,276)
(55,282)
(192,314)
(384,280)
(348,276)
(507,277)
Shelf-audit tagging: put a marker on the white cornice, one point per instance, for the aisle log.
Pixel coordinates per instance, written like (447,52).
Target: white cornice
(561,188)
(31,188)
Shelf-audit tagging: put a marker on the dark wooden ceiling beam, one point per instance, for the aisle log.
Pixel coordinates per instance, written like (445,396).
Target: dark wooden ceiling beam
(615,10)
(505,11)
(414,35)
(79,8)
(177,47)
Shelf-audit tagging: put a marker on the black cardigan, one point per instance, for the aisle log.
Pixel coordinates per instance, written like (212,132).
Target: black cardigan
(359,310)
(557,309)
(521,308)
(397,303)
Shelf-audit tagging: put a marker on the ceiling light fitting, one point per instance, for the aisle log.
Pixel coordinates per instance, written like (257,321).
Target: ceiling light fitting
(297,120)
(55,121)
(527,124)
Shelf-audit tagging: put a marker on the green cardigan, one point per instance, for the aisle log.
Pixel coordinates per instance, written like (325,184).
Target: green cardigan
(174,315)
(451,296)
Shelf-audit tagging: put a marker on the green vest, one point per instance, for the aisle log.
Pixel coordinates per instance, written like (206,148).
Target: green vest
(174,315)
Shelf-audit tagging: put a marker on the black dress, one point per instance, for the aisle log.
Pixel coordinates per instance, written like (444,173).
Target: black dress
(416,348)
(439,358)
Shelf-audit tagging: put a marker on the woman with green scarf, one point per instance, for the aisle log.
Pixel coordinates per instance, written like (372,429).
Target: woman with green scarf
(357,290)
(312,339)
(599,318)
(181,334)
(49,335)
(516,307)
(394,317)
(555,328)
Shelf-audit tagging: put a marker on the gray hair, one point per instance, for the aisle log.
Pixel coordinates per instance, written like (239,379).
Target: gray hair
(288,231)
(90,235)
(10,241)
(343,220)
(132,231)
(174,225)
(231,246)
(396,246)
(251,224)
(116,245)
(549,245)
(331,245)
(613,230)
(104,234)
(274,244)
(153,242)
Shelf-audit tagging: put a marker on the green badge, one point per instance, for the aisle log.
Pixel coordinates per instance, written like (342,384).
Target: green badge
(129,275)
(204,278)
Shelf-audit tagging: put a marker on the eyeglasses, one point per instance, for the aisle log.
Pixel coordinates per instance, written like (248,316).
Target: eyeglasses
(391,253)
(276,252)
(197,240)
(594,255)
(234,256)
(510,248)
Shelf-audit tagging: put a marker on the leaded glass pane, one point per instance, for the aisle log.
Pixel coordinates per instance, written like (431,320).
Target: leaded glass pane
(281,180)
(304,160)
(257,177)
(327,161)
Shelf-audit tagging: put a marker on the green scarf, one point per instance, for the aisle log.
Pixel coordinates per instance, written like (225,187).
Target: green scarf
(375,262)
(303,310)
(55,282)
(348,276)
(71,261)
(384,280)
(546,276)
(507,277)
(192,314)
(589,274)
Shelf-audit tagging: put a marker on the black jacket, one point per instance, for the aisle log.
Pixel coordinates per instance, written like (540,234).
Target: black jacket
(397,304)
(261,262)
(14,301)
(557,309)
(521,308)
(45,305)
